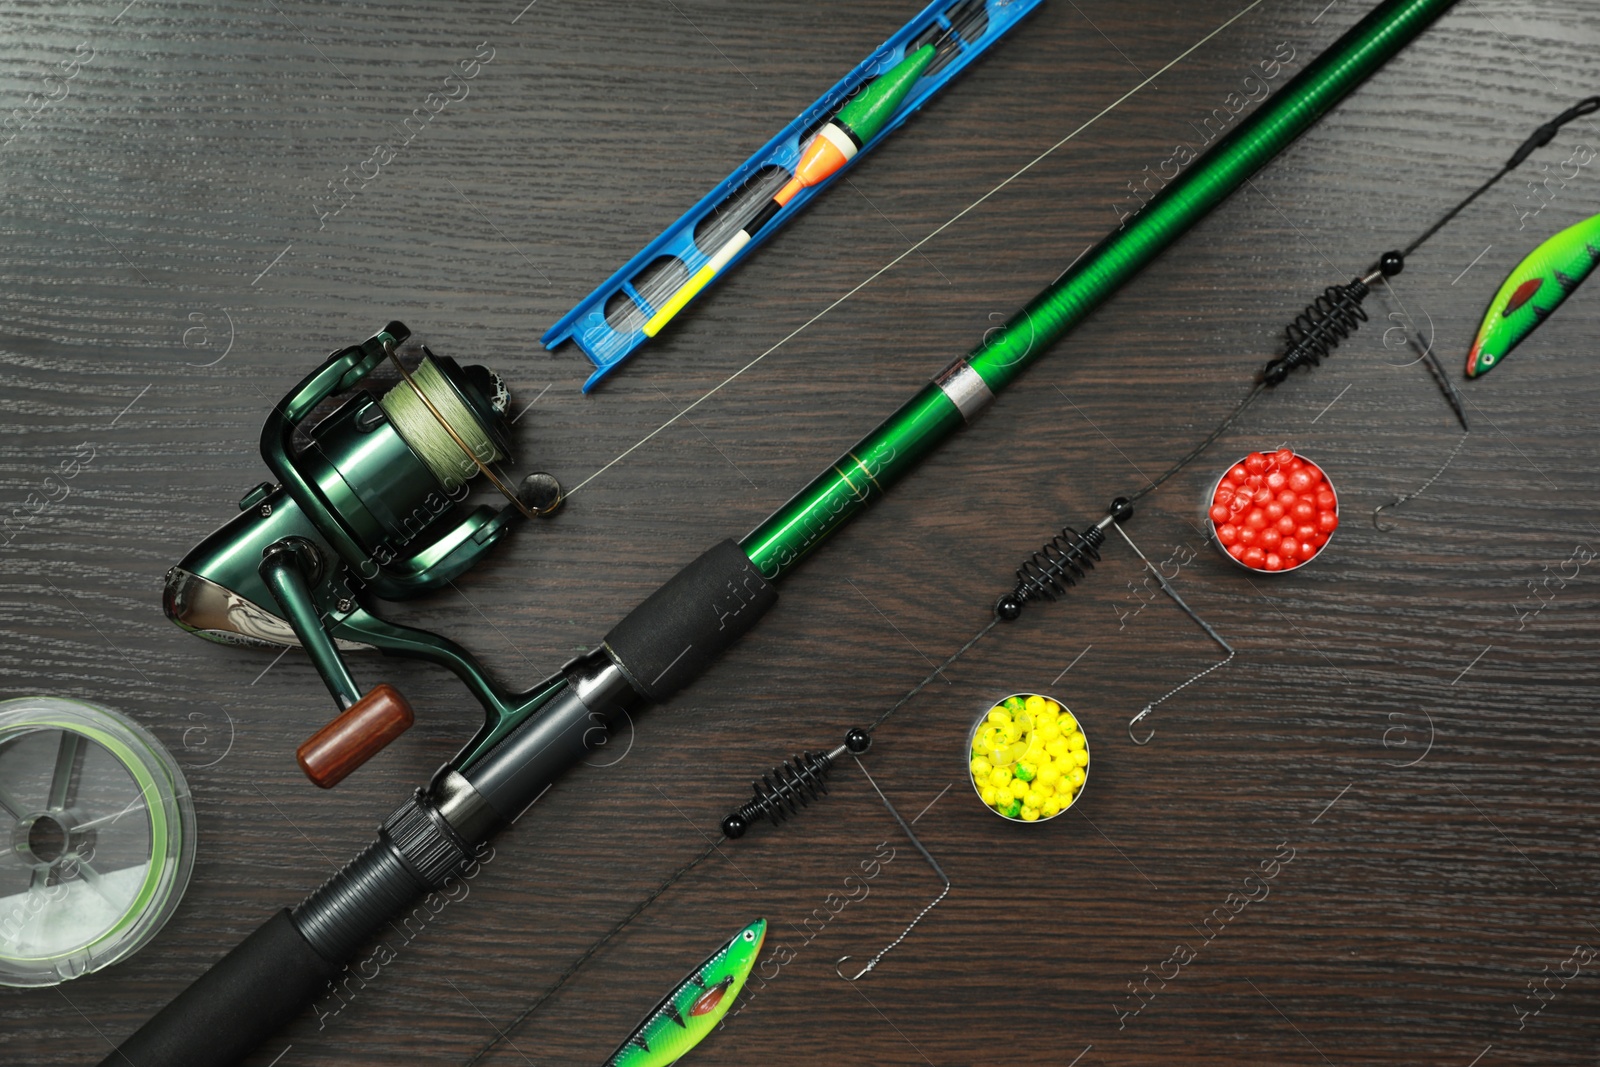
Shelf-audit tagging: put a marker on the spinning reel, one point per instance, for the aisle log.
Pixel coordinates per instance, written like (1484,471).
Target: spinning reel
(366,505)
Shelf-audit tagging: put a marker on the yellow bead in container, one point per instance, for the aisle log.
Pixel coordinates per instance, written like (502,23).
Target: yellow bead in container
(1027,758)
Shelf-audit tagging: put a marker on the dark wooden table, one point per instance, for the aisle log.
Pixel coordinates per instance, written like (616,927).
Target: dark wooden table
(1411,717)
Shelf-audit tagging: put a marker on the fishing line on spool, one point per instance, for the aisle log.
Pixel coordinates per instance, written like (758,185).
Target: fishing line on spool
(438,425)
(440,443)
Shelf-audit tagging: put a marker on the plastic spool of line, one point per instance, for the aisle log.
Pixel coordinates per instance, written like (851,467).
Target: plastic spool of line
(101,836)
(430,435)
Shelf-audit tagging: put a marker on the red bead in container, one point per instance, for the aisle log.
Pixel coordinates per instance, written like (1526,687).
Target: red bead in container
(1273,511)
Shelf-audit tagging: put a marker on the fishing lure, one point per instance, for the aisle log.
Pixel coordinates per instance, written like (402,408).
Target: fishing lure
(1334,316)
(692,1010)
(1538,285)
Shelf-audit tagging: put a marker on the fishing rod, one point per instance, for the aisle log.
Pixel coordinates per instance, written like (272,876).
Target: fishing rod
(681,628)
(791,785)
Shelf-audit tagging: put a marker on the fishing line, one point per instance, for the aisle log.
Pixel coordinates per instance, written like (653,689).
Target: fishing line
(438,424)
(875,275)
(948,40)
(1166,587)
(1194,453)
(589,952)
(957,654)
(1541,137)
(430,387)
(945,878)
(1403,498)
(1426,354)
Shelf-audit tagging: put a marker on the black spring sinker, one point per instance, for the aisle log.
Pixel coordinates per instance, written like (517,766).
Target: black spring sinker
(792,785)
(1063,562)
(1328,321)
(1060,564)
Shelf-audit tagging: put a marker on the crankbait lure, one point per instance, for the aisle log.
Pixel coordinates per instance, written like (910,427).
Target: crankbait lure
(1545,278)
(1335,315)
(692,1010)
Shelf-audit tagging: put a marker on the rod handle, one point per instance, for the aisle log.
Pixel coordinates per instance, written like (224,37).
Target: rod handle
(246,996)
(357,734)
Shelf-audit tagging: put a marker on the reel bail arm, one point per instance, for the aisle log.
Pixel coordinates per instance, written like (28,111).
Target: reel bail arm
(449,555)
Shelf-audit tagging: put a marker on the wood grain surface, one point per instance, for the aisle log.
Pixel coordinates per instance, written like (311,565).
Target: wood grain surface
(1412,717)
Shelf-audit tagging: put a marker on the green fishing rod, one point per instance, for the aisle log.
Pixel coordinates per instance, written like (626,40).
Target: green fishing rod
(666,642)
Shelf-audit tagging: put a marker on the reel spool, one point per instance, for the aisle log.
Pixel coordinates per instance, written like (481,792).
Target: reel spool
(100,839)
(369,506)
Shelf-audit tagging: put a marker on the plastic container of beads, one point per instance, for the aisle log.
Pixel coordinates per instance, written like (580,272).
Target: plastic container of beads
(1027,758)
(1272,512)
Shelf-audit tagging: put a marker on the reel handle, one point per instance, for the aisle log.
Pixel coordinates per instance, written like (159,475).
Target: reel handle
(357,734)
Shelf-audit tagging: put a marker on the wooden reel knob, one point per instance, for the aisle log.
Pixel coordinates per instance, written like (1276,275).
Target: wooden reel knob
(360,732)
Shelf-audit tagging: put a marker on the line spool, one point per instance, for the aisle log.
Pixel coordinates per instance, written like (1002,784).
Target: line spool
(436,422)
(100,839)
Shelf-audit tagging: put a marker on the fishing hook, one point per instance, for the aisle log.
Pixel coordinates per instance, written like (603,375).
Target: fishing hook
(1166,587)
(1148,708)
(841,974)
(904,826)
(1397,501)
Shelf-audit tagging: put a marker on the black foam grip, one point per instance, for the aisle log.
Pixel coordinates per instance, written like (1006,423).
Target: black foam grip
(666,642)
(245,997)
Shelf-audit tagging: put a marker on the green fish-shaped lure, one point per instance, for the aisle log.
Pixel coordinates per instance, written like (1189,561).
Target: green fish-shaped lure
(1536,288)
(687,1014)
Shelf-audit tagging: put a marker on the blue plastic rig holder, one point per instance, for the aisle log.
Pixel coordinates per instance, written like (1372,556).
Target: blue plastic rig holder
(608,324)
